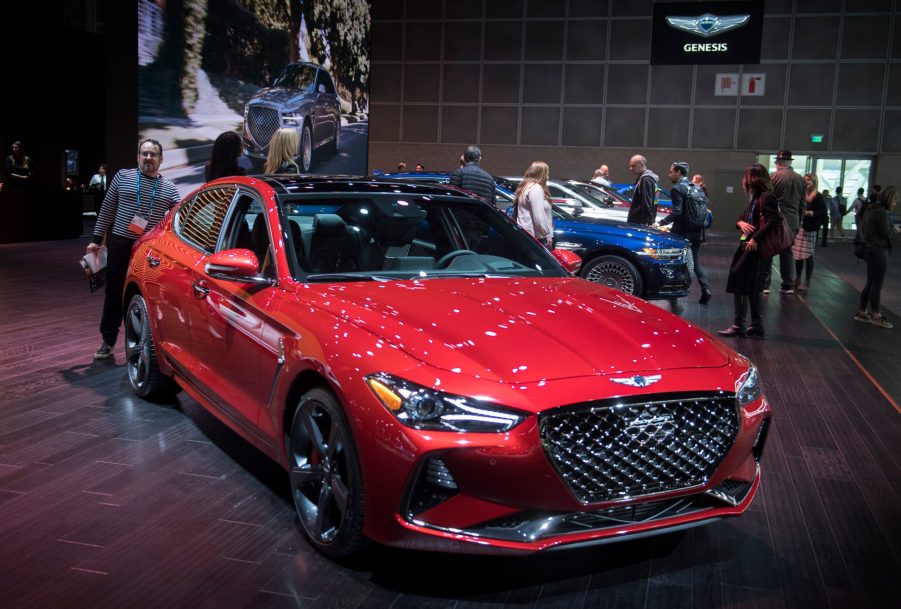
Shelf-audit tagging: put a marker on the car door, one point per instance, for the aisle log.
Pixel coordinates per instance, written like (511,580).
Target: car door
(324,120)
(168,267)
(224,319)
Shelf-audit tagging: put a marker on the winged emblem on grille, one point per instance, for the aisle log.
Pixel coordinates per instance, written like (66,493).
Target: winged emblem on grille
(638,380)
(708,25)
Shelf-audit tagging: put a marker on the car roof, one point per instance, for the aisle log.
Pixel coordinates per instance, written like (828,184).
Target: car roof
(300,184)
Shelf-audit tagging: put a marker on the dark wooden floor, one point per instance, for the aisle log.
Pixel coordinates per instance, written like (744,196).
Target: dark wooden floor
(107,501)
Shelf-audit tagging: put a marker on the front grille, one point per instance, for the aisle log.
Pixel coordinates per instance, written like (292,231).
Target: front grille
(262,123)
(611,450)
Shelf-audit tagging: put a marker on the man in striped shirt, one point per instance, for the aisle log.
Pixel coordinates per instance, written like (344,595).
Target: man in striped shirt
(136,201)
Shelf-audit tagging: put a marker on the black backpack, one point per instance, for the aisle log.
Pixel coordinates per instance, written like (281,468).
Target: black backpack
(695,207)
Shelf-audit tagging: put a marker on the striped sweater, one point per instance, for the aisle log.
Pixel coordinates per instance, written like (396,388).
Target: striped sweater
(121,203)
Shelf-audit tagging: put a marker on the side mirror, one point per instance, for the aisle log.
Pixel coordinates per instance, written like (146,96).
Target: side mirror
(233,264)
(570,260)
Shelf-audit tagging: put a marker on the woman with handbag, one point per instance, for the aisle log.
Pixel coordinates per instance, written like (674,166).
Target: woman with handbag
(757,224)
(814,216)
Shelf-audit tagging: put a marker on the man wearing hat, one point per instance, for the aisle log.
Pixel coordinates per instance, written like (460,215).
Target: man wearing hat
(789,188)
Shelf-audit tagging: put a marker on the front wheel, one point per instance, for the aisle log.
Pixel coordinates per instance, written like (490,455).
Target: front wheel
(615,272)
(140,353)
(325,475)
(306,149)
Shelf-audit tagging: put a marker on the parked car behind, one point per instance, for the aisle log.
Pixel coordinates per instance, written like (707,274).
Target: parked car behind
(431,388)
(301,97)
(639,260)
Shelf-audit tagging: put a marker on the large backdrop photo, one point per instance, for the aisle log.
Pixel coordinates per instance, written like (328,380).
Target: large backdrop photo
(252,67)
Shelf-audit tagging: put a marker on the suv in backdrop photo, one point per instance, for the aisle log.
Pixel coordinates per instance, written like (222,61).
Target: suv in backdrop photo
(302,97)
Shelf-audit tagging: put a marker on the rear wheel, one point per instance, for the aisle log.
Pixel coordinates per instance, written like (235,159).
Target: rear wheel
(615,272)
(140,353)
(325,475)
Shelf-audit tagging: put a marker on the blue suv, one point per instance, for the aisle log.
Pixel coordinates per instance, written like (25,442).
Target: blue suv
(634,259)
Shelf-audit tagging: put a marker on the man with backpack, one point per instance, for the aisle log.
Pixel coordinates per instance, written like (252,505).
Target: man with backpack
(688,217)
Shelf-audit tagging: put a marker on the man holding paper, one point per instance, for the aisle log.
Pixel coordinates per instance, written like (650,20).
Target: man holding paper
(136,201)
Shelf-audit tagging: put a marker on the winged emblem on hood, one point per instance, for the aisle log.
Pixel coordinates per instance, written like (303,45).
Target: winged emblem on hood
(638,380)
(708,25)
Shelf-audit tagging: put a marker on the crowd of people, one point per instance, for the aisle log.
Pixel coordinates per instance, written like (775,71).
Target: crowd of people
(136,199)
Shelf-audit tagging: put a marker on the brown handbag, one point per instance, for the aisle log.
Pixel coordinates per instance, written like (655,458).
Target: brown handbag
(777,240)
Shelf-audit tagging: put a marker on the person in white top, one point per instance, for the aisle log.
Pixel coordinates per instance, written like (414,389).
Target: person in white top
(602,176)
(532,203)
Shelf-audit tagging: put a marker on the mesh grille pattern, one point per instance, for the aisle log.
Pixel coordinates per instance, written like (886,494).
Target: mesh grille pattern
(615,451)
(262,123)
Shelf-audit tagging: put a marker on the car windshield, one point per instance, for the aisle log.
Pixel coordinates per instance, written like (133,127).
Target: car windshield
(598,195)
(402,236)
(296,76)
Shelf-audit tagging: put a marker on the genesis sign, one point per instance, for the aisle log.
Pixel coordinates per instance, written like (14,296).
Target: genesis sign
(707,33)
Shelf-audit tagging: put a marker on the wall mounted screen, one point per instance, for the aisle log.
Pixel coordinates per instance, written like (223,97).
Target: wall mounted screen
(253,67)
(707,33)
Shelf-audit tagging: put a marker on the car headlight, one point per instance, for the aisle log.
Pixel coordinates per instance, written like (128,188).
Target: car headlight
(664,253)
(423,408)
(567,245)
(294,118)
(748,387)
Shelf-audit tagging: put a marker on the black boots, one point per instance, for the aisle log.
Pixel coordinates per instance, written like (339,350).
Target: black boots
(705,296)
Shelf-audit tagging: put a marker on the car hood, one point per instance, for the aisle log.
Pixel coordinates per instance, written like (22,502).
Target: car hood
(608,226)
(520,330)
(281,96)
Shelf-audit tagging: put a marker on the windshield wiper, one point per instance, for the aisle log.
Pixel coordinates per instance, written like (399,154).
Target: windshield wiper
(326,277)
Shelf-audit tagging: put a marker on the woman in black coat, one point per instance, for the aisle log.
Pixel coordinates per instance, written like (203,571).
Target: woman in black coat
(748,269)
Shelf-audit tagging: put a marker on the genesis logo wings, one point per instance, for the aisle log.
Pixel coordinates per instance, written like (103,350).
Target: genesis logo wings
(708,25)
(638,380)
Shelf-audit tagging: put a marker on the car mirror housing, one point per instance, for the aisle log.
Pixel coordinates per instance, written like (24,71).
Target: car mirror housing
(233,264)
(570,260)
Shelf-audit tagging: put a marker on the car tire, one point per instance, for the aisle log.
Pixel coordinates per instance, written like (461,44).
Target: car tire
(305,149)
(326,482)
(140,354)
(615,272)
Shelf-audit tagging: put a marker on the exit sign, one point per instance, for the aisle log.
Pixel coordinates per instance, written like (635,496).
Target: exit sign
(816,138)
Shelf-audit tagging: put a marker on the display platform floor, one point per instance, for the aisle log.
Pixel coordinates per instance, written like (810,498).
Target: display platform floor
(108,501)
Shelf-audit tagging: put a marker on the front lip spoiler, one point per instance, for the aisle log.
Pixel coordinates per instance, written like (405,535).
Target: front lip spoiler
(550,531)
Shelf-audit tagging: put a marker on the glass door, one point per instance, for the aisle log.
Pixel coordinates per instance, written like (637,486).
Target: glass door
(850,174)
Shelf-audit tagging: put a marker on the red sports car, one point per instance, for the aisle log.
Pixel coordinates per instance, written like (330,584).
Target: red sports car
(431,376)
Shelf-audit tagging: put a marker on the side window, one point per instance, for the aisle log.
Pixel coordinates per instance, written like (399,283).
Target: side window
(201,221)
(247,229)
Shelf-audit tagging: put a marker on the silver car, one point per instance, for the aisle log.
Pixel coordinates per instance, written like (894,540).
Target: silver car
(302,97)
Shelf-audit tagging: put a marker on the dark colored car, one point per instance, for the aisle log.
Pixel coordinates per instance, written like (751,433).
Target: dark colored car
(634,259)
(433,378)
(302,97)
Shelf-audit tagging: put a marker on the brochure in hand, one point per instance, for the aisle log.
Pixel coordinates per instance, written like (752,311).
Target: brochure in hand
(94,265)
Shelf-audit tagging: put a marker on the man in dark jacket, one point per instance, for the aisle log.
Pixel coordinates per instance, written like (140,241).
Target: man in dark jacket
(472,177)
(679,218)
(789,189)
(644,196)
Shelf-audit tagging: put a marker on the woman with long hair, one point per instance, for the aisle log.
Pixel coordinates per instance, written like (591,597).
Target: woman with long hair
(877,234)
(224,157)
(532,203)
(282,152)
(806,238)
(748,269)
(19,168)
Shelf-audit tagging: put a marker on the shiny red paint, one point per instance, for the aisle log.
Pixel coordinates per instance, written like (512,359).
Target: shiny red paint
(248,350)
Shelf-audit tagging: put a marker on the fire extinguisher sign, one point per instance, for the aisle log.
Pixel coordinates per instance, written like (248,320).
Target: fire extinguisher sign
(753,85)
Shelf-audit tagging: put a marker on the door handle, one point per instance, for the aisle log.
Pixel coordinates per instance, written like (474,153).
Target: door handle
(200,290)
(153,261)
